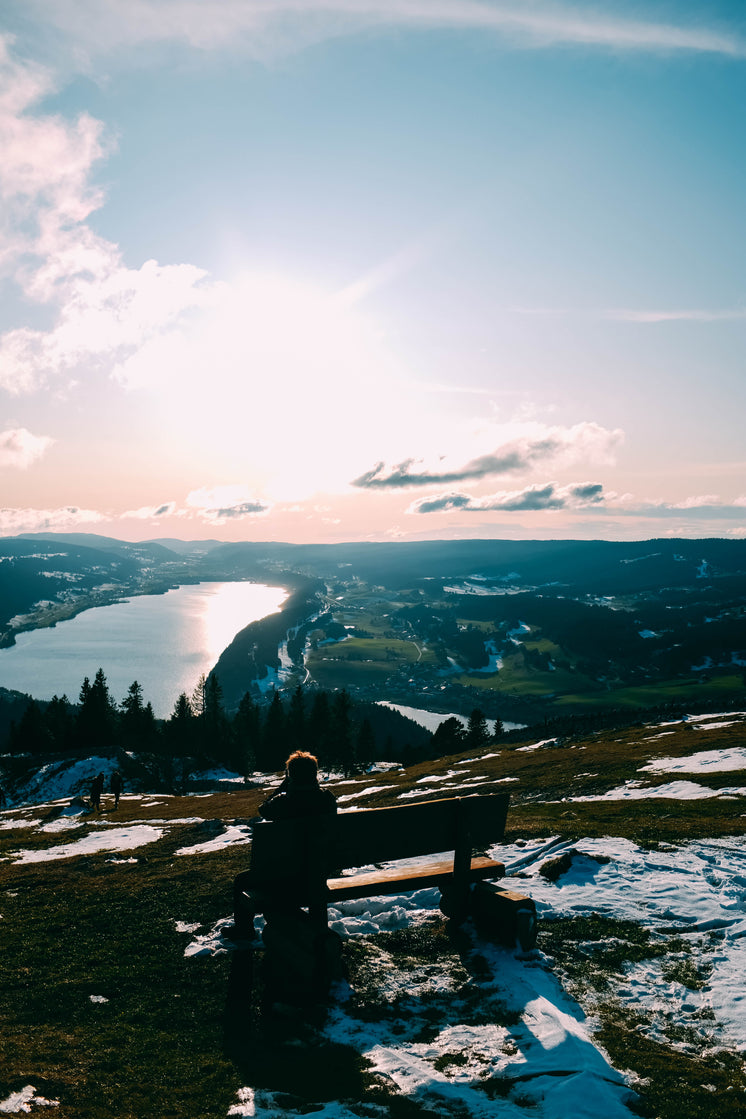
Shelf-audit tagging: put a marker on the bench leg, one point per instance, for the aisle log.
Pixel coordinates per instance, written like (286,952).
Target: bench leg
(507,915)
(303,956)
(454,902)
(243,910)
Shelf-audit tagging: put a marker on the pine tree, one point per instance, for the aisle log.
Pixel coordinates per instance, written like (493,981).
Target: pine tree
(449,738)
(342,741)
(180,728)
(246,724)
(477,731)
(198,701)
(296,721)
(318,729)
(97,722)
(217,737)
(274,750)
(365,746)
(59,720)
(31,735)
(137,721)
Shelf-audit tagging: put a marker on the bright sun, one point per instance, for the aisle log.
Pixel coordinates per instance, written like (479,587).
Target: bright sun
(285,387)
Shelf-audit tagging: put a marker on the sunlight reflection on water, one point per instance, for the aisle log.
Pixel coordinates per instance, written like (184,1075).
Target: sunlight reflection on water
(165,642)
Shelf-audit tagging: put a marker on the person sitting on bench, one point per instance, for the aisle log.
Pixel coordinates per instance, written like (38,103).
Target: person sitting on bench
(298,796)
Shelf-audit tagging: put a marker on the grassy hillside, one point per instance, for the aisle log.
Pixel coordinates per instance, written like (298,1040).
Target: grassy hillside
(103,1012)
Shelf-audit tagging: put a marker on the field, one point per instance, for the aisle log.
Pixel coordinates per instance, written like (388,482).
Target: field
(120,998)
(416,640)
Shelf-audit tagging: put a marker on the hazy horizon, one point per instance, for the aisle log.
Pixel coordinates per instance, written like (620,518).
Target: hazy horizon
(352,270)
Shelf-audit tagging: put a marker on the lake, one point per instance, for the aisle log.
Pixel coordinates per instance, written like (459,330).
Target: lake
(165,642)
(431,720)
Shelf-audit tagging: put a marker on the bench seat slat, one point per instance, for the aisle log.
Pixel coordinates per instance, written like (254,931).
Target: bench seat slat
(396,880)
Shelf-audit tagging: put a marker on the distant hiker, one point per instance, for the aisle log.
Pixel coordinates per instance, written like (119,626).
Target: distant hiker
(116,787)
(97,787)
(298,795)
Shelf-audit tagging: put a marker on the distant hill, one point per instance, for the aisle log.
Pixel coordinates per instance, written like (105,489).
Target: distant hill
(151,548)
(620,623)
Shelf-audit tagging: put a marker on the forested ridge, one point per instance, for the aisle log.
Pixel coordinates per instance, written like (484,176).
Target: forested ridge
(345,735)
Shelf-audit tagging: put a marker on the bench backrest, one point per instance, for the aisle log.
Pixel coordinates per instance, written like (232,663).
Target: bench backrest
(328,844)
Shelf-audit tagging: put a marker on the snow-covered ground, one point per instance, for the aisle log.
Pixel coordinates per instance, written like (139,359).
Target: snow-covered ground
(530,1036)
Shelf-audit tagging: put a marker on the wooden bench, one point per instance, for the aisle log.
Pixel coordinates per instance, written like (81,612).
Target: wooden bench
(301,862)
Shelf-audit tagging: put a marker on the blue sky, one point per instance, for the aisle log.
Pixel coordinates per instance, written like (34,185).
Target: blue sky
(356,270)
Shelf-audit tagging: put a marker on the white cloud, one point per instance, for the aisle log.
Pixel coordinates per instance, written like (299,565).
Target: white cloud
(638,315)
(261,29)
(535,445)
(20,449)
(689,315)
(13,521)
(101,309)
(698,507)
(222,504)
(151,512)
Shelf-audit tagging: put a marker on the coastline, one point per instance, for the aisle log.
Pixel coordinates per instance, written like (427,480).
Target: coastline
(50,616)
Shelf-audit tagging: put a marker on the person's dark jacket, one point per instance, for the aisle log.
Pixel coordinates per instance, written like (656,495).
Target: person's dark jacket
(295,802)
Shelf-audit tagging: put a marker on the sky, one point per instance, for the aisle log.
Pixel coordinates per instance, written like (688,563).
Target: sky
(331,270)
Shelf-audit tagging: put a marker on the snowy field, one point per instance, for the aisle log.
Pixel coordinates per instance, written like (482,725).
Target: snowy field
(428,1042)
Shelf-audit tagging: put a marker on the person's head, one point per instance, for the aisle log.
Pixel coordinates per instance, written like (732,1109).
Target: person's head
(302,768)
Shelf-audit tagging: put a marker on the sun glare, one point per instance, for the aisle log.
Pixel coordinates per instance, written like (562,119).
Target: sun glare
(293,384)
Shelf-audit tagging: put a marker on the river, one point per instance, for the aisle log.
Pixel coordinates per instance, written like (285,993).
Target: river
(165,642)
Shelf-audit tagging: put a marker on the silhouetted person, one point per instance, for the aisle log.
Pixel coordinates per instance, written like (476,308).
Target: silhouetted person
(297,796)
(116,787)
(97,787)
(299,793)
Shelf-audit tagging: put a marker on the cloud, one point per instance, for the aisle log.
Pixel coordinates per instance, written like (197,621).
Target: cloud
(13,521)
(547,498)
(691,315)
(587,441)
(638,315)
(100,309)
(260,29)
(151,512)
(20,449)
(705,507)
(225,503)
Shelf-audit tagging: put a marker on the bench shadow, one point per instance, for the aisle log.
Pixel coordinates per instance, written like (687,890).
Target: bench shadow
(279,1048)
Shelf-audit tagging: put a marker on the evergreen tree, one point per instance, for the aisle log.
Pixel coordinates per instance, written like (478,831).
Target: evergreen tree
(246,728)
(31,735)
(317,729)
(342,739)
(477,731)
(59,719)
(296,721)
(365,746)
(180,728)
(199,697)
(449,738)
(274,750)
(96,724)
(138,723)
(216,729)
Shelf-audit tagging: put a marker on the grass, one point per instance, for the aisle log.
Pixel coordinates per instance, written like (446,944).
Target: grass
(361,661)
(80,928)
(178,1037)
(726,688)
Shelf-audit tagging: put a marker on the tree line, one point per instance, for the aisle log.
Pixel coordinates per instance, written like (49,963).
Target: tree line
(345,734)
